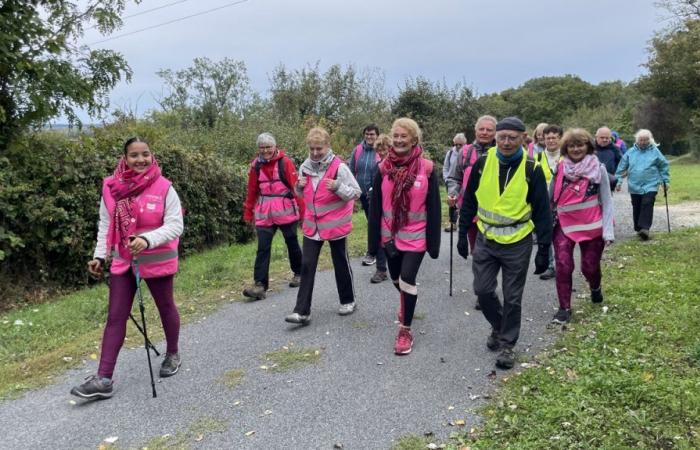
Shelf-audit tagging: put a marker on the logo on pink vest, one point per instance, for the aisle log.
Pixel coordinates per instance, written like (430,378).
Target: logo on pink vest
(580,217)
(325,211)
(149,211)
(411,237)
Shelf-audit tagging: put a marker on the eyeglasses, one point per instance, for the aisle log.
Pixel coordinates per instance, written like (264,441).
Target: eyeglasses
(266,147)
(506,138)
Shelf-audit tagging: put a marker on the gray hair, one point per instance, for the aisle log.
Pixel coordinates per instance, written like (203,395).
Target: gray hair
(485,118)
(266,139)
(459,138)
(644,133)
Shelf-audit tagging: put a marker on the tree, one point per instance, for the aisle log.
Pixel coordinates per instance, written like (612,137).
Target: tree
(43,72)
(208,92)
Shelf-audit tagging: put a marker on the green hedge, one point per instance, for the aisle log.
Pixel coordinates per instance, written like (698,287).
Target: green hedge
(50,186)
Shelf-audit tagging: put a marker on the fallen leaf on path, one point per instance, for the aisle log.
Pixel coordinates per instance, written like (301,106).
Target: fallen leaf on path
(432,446)
(200,436)
(646,376)
(450,408)
(250,433)
(93,356)
(459,422)
(67,358)
(337,445)
(492,375)
(111,439)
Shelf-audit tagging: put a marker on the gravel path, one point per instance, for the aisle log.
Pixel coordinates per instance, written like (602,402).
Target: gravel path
(358,395)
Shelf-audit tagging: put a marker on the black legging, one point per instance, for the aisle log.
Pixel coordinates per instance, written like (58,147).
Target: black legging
(403,270)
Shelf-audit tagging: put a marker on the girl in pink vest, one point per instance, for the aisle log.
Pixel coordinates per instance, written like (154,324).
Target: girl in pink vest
(270,204)
(405,218)
(583,209)
(140,219)
(329,190)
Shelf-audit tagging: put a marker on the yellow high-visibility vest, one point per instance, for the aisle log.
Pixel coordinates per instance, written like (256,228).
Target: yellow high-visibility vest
(504,218)
(543,161)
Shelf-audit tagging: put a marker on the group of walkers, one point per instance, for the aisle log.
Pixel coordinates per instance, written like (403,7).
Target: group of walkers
(555,194)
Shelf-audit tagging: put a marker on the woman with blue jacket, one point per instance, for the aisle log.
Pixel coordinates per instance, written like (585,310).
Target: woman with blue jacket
(645,168)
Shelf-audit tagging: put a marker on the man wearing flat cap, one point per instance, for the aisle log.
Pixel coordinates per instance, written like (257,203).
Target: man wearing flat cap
(507,193)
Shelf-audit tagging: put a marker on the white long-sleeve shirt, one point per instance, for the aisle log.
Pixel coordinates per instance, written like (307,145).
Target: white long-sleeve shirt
(172,225)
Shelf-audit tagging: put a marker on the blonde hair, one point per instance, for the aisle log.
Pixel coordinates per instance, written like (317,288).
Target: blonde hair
(539,129)
(383,140)
(485,118)
(318,135)
(409,125)
(643,132)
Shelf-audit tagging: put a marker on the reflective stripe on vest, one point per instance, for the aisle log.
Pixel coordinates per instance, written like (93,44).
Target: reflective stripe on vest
(580,217)
(276,204)
(326,213)
(150,257)
(504,218)
(412,236)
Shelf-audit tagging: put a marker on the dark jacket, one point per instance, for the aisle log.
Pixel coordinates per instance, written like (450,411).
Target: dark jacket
(610,156)
(537,197)
(433,209)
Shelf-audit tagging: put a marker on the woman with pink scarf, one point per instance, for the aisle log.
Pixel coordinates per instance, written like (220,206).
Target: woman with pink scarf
(140,223)
(583,214)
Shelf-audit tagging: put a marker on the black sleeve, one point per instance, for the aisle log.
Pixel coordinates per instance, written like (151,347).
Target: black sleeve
(375,215)
(433,207)
(538,198)
(469,203)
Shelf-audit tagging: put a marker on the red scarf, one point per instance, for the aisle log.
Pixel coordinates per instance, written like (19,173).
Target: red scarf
(125,185)
(402,170)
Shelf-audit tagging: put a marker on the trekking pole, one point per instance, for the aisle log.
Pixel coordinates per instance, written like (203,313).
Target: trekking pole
(453,220)
(668,217)
(137,274)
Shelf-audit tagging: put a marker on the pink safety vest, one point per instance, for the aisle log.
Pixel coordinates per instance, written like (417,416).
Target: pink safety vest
(466,150)
(276,204)
(580,217)
(149,210)
(325,212)
(358,152)
(411,237)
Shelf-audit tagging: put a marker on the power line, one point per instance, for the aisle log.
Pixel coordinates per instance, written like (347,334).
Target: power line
(146,11)
(169,22)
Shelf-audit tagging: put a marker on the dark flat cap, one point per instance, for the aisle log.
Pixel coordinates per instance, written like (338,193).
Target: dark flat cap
(511,123)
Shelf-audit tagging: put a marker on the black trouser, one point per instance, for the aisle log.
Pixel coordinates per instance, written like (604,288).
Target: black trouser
(513,260)
(262,258)
(403,270)
(309,263)
(643,210)
(381,256)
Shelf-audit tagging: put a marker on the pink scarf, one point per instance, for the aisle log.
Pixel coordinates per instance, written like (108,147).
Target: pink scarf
(402,170)
(125,185)
(588,167)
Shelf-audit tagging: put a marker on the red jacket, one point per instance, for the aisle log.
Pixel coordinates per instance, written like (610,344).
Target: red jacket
(290,176)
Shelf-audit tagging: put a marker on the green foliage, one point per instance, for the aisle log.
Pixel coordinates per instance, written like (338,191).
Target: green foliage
(43,73)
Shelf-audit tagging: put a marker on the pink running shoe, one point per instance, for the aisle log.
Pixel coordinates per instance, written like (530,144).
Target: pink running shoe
(404,341)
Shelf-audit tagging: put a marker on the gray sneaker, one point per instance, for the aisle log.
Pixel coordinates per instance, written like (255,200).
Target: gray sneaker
(346,309)
(378,277)
(295,281)
(298,318)
(368,260)
(548,274)
(94,388)
(170,366)
(506,359)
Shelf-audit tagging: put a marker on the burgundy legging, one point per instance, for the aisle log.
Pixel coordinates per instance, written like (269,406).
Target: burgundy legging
(591,252)
(122,289)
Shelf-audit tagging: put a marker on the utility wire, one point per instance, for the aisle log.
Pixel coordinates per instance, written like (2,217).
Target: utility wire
(169,22)
(146,11)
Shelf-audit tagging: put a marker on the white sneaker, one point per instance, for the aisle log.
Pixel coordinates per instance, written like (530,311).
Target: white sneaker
(298,318)
(346,309)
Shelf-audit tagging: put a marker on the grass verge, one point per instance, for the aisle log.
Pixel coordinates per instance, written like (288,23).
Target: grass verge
(39,341)
(184,440)
(685,183)
(627,376)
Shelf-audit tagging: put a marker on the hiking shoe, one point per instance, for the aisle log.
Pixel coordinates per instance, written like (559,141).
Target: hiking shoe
(477,305)
(295,281)
(170,366)
(256,292)
(548,274)
(492,342)
(378,277)
(562,317)
(346,309)
(368,260)
(643,234)
(597,295)
(506,359)
(298,318)
(404,341)
(94,388)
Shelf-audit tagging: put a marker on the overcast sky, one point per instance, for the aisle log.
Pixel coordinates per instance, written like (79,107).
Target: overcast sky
(490,45)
